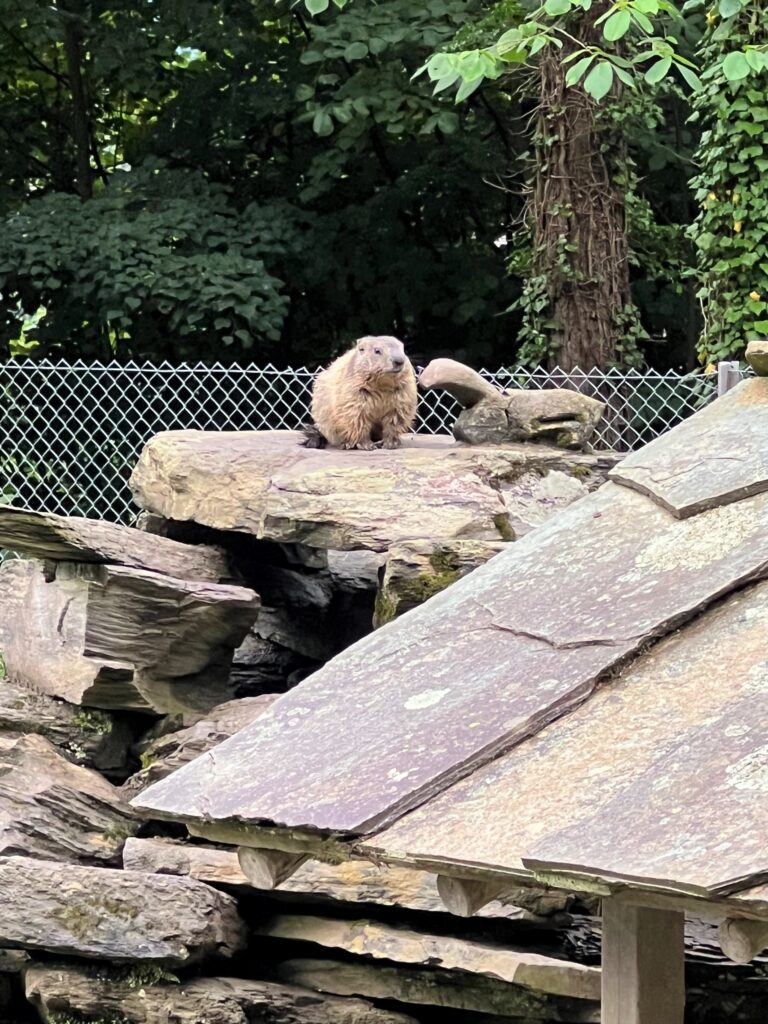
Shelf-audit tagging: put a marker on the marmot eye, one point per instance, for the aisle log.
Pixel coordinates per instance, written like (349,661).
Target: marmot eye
(377,351)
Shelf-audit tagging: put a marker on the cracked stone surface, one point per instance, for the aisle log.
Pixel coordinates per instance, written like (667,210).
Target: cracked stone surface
(266,484)
(661,776)
(716,457)
(491,660)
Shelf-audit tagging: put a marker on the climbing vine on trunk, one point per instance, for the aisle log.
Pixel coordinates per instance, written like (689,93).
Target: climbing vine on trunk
(576,304)
(731,232)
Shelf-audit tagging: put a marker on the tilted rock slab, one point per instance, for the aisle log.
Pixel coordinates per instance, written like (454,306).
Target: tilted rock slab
(106,914)
(458,681)
(169,752)
(711,459)
(268,485)
(117,637)
(98,994)
(51,808)
(45,535)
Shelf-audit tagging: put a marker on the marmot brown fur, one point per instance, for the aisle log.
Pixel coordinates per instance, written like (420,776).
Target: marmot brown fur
(366,395)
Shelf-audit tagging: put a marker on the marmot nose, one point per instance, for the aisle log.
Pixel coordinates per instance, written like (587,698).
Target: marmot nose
(398,363)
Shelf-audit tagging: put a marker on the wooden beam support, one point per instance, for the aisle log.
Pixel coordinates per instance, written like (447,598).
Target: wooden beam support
(643,971)
(742,940)
(267,869)
(465,896)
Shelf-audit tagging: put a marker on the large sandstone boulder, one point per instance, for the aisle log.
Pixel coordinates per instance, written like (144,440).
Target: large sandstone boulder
(267,485)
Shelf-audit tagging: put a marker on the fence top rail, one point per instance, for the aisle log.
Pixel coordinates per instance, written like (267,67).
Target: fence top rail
(25,365)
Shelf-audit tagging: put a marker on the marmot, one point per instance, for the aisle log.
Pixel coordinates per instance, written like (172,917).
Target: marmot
(366,395)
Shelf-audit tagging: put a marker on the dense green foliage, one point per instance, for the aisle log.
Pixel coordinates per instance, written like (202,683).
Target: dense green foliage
(229,179)
(731,231)
(262,187)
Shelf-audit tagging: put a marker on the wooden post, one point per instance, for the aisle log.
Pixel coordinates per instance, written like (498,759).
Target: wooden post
(268,869)
(465,896)
(741,940)
(643,975)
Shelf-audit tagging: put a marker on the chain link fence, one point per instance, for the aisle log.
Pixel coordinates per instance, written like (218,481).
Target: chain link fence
(70,433)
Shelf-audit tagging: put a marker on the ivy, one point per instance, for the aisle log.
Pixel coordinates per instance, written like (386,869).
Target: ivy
(731,230)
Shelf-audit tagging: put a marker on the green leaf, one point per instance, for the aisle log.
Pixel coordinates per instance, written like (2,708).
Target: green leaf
(690,77)
(316,6)
(645,23)
(617,25)
(577,70)
(657,71)
(599,80)
(448,122)
(467,88)
(356,51)
(625,77)
(322,124)
(761,326)
(735,66)
(728,8)
(556,7)
(756,59)
(446,83)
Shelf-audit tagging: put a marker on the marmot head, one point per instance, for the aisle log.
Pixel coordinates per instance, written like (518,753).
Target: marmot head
(380,355)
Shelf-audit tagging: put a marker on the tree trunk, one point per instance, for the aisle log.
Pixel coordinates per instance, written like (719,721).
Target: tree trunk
(578,213)
(71,19)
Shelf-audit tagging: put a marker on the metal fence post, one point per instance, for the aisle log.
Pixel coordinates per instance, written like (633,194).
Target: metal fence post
(728,376)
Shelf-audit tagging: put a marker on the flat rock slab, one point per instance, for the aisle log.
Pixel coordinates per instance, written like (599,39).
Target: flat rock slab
(533,971)
(106,914)
(717,456)
(454,990)
(268,485)
(660,768)
(51,808)
(135,997)
(45,535)
(351,882)
(432,696)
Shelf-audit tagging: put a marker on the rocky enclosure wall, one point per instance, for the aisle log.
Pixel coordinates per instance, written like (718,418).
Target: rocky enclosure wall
(128,652)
